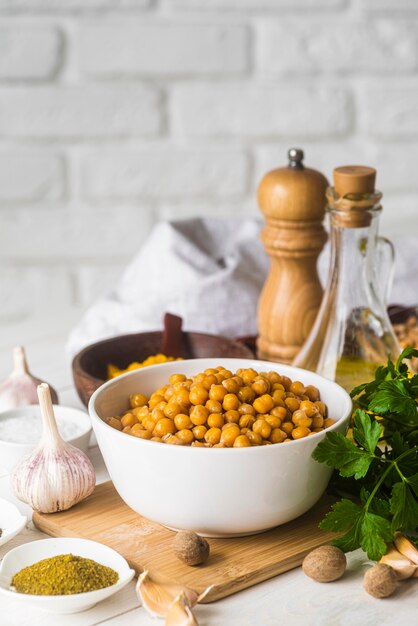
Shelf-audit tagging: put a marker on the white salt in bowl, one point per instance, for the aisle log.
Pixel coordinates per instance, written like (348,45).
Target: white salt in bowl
(21,428)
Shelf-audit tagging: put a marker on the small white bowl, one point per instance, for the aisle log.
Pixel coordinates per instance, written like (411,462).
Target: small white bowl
(11,452)
(219,491)
(11,521)
(30,553)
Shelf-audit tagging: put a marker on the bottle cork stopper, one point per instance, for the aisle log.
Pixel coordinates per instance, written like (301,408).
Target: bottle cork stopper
(354,179)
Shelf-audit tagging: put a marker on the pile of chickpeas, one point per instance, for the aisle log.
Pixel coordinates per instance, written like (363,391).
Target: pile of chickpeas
(220,409)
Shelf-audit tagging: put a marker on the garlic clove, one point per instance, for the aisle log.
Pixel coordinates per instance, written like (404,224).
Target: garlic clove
(157,597)
(406,547)
(401,564)
(56,475)
(180,613)
(20,387)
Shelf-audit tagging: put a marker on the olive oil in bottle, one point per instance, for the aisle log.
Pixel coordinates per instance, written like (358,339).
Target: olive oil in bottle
(352,334)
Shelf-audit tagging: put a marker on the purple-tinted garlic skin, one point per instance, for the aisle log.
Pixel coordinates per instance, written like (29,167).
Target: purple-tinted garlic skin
(53,478)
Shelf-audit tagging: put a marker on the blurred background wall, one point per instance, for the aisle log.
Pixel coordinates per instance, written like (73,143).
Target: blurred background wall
(117,113)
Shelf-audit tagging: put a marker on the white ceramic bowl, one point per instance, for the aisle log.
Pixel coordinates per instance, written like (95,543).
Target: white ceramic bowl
(11,521)
(11,453)
(214,491)
(30,553)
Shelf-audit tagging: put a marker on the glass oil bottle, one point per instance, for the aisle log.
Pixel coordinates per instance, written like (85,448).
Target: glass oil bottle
(352,334)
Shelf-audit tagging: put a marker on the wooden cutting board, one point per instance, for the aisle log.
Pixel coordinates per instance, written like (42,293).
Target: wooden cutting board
(234,564)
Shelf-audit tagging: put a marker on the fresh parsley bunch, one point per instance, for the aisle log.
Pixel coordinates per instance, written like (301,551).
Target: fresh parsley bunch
(378,467)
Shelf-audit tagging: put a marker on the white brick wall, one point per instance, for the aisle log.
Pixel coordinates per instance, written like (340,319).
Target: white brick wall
(117,113)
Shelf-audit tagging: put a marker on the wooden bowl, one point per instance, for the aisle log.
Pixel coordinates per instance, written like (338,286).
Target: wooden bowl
(90,365)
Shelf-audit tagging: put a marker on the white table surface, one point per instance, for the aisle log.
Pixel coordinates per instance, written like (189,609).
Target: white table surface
(291,599)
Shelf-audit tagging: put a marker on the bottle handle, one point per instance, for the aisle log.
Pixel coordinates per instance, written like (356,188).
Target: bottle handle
(385,268)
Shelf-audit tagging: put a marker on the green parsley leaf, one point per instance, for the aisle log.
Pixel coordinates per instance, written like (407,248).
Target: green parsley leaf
(403,507)
(413,483)
(407,353)
(339,452)
(375,533)
(392,397)
(366,433)
(343,515)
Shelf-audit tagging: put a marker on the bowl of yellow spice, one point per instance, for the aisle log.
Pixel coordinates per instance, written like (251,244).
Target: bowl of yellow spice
(63,575)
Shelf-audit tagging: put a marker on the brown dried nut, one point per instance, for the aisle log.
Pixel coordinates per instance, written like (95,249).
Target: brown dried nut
(325,564)
(380,581)
(190,548)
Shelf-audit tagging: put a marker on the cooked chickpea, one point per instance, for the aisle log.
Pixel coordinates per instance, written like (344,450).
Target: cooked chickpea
(312,393)
(155,399)
(242,442)
(216,420)
(317,421)
(229,435)
(199,432)
(163,427)
(292,404)
(172,409)
(246,395)
(255,438)
(274,377)
(287,427)
(297,388)
(128,419)
(231,402)
(198,394)
(321,407)
(309,408)
(137,431)
(261,385)
(231,385)
(300,431)
(114,422)
(262,427)
(217,392)
(185,435)
(277,435)
(137,400)
(209,381)
(213,435)
(182,397)
(275,422)
(140,412)
(232,417)
(177,378)
(246,409)
(299,418)
(263,404)
(246,421)
(182,421)
(248,375)
(199,414)
(217,408)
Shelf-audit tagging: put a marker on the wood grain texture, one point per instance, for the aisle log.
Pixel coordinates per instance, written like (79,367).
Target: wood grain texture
(234,564)
(293,202)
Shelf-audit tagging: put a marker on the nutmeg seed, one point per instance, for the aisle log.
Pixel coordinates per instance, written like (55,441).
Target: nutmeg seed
(325,564)
(190,548)
(380,581)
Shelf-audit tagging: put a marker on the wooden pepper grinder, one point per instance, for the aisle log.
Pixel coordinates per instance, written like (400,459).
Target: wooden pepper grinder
(293,201)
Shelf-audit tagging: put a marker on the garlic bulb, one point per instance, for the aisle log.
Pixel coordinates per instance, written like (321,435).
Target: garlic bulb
(56,475)
(180,613)
(19,387)
(157,598)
